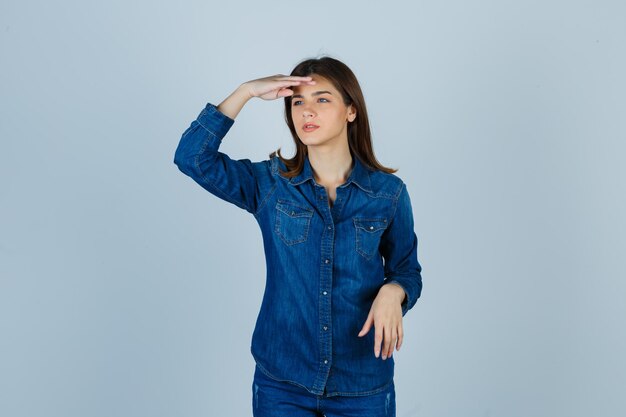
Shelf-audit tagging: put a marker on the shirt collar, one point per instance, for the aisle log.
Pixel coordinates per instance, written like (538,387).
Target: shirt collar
(359,175)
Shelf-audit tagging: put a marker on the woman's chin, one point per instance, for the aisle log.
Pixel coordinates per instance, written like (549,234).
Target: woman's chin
(309,141)
(313,141)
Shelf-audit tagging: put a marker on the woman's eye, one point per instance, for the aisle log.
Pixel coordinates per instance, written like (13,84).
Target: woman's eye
(295,102)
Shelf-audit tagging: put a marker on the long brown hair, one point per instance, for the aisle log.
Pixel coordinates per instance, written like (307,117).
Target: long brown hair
(359,134)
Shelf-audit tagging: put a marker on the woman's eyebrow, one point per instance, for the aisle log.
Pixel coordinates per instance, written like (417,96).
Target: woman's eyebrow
(317,93)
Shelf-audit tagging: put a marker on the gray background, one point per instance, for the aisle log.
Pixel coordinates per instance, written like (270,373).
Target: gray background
(128,290)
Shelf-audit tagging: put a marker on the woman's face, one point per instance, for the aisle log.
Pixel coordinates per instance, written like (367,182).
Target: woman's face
(320,104)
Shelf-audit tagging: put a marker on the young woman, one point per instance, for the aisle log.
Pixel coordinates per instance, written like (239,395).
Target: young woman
(339,243)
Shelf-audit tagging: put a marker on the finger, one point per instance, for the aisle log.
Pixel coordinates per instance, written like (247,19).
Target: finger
(394,336)
(368,324)
(298,77)
(290,82)
(284,92)
(292,78)
(285,84)
(400,336)
(378,338)
(386,341)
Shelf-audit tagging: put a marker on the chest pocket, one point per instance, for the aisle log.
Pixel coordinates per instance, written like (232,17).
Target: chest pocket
(292,222)
(368,234)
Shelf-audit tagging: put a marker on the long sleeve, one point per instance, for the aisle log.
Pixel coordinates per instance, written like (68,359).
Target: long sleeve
(399,250)
(197,155)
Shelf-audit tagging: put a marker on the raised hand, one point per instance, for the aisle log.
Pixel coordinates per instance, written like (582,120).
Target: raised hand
(275,86)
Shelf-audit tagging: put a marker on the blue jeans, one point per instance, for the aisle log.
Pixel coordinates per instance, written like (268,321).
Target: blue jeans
(272,398)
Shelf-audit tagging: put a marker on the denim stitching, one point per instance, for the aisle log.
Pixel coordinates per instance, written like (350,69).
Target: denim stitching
(266,199)
(209,182)
(282,208)
(362,234)
(280,380)
(360,393)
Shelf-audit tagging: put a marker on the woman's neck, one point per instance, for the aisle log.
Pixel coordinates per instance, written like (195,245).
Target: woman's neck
(331,167)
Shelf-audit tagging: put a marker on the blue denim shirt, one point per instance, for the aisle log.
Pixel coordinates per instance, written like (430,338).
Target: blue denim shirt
(324,264)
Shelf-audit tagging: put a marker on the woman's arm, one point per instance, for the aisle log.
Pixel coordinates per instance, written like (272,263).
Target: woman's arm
(240,182)
(232,105)
(403,284)
(198,156)
(399,249)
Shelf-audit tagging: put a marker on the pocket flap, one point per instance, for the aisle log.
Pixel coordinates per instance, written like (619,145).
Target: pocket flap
(371,224)
(293,210)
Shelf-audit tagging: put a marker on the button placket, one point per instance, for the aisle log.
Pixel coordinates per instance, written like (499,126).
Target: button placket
(326,275)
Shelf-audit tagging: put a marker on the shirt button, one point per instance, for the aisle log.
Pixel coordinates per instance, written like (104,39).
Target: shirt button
(326,261)
(325,327)
(330,227)
(321,197)
(325,360)
(371,227)
(324,293)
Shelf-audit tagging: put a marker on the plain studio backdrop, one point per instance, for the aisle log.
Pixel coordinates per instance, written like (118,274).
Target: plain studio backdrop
(128,290)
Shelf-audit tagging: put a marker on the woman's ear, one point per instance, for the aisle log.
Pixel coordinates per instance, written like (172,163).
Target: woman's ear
(352,113)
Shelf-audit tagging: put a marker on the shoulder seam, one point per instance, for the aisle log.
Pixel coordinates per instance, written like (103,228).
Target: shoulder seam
(396,199)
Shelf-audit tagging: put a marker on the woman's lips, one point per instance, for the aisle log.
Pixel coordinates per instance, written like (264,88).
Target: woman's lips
(310,128)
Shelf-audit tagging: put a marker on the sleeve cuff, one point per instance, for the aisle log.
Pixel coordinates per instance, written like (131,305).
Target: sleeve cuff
(411,297)
(214,120)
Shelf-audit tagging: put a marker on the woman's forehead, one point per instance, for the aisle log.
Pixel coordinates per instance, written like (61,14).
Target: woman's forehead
(320,84)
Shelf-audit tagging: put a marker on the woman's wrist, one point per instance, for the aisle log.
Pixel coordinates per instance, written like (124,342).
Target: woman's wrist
(232,105)
(395,289)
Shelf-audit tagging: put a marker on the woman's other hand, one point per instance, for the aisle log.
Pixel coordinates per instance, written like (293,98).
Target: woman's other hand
(386,316)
